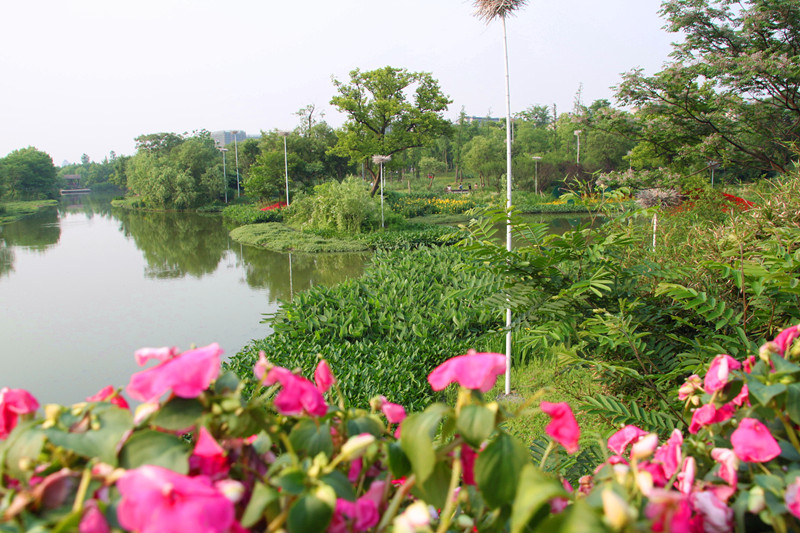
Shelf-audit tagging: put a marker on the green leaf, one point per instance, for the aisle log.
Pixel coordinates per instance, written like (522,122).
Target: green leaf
(340,484)
(434,489)
(793,402)
(112,424)
(475,423)
(307,436)
(228,381)
(782,366)
(23,446)
(417,432)
(259,501)
(178,414)
(365,424)
(309,514)
(398,461)
(150,447)
(498,468)
(764,393)
(292,481)
(535,491)
(770,483)
(576,518)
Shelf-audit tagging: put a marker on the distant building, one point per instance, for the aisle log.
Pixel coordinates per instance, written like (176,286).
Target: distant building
(73,181)
(226,137)
(481,120)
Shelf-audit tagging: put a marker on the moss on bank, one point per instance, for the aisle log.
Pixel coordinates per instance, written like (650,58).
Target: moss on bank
(13,211)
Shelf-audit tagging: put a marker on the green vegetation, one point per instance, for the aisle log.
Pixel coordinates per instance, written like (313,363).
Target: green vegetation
(28,174)
(343,207)
(281,238)
(250,214)
(13,211)
(385,331)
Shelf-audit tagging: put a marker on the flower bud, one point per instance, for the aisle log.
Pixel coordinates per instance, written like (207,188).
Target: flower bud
(615,509)
(644,447)
(356,446)
(755,500)
(231,489)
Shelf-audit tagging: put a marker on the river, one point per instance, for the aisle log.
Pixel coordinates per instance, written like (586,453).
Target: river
(83,286)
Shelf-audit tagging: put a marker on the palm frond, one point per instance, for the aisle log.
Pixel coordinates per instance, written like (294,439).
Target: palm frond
(488,10)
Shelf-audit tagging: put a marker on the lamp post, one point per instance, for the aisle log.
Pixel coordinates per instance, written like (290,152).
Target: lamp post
(224,173)
(536,159)
(236,151)
(578,136)
(713,164)
(381,159)
(285,134)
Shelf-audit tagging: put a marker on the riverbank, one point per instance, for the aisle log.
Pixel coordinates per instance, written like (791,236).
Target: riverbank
(13,211)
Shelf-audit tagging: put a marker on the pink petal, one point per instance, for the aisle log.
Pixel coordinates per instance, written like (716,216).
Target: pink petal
(753,443)
(143,355)
(718,372)
(13,403)
(471,371)
(563,427)
(620,440)
(394,413)
(187,375)
(323,377)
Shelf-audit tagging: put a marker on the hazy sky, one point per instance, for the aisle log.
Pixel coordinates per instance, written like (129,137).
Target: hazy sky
(87,76)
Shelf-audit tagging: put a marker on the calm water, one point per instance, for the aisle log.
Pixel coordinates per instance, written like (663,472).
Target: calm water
(82,287)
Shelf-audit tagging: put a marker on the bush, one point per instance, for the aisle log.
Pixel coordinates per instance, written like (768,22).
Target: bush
(250,214)
(344,207)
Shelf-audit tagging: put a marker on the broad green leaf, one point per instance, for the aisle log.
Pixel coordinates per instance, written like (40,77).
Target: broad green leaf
(416,440)
(309,514)
(365,424)
(309,437)
(178,414)
(155,448)
(434,489)
(576,518)
(23,446)
(292,481)
(535,491)
(112,424)
(763,394)
(783,367)
(793,402)
(261,498)
(498,468)
(475,423)
(398,461)
(340,484)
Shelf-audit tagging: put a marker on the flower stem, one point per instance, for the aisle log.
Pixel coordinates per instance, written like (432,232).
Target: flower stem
(447,513)
(547,453)
(398,499)
(82,489)
(791,433)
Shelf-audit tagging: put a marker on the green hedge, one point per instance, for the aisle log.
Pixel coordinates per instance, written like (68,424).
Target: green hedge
(250,214)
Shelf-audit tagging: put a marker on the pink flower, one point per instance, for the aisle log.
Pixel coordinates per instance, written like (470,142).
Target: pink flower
(109,394)
(716,516)
(560,503)
(297,393)
(563,427)
(792,499)
(786,338)
(685,481)
(704,416)
(753,443)
(394,413)
(323,377)
(669,511)
(13,403)
(749,363)
(362,514)
(620,440)
(728,464)
(743,397)
(468,456)
(158,500)
(208,457)
(644,446)
(717,375)
(93,520)
(669,454)
(187,375)
(471,371)
(656,471)
(693,383)
(166,353)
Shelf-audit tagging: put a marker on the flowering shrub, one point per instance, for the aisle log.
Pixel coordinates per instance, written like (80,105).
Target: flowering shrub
(198,457)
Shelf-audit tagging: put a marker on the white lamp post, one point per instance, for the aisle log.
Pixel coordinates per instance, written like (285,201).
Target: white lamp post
(236,151)
(285,134)
(713,164)
(578,136)
(224,173)
(536,159)
(381,159)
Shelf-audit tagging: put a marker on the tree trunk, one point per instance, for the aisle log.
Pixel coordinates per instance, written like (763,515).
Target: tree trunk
(376,181)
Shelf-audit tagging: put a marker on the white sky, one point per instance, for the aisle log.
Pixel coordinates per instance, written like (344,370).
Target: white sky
(87,76)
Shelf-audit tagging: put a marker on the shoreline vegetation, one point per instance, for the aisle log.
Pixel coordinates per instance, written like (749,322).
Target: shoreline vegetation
(14,211)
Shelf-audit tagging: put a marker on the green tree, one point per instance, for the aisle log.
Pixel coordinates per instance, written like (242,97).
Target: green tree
(485,155)
(28,174)
(732,93)
(388,110)
(267,178)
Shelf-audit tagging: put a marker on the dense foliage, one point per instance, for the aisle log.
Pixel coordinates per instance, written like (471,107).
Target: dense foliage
(250,214)
(374,329)
(345,207)
(28,174)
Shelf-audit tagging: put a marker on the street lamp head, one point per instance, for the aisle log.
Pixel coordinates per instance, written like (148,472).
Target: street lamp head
(221,149)
(578,132)
(283,133)
(536,157)
(378,159)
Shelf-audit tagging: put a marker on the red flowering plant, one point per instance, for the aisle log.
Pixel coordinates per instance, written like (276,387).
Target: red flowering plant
(197,455)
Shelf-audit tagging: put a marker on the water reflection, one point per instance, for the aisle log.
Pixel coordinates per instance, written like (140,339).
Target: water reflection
(286,274)
(176,244)
(6,257)
(89,204)
(36,232)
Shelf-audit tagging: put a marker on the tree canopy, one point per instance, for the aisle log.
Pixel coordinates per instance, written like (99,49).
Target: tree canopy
(732,93)
(388,110)
(28,174)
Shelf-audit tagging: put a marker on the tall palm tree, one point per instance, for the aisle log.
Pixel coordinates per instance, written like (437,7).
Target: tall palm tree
(489,10)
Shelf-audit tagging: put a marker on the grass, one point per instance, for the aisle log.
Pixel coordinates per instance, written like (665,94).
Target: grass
(281,238)
(13,211)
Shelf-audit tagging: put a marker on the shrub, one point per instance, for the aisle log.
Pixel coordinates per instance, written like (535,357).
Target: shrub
(250,214)
(344,206)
